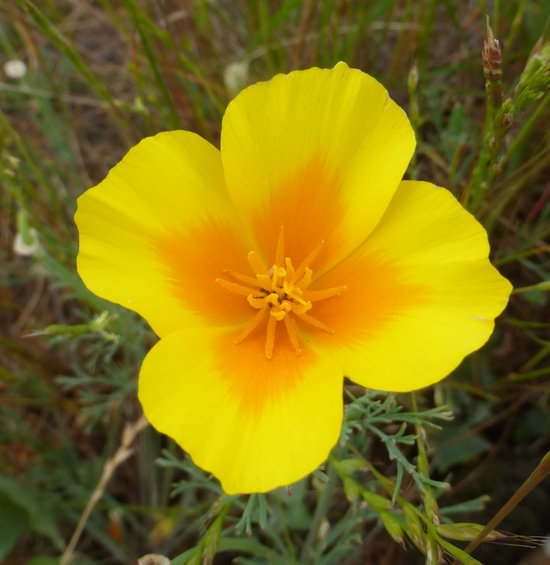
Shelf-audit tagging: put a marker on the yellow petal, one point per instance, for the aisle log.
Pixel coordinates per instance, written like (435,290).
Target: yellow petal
(157,232)
(421,294)
(255,423)
(321,152)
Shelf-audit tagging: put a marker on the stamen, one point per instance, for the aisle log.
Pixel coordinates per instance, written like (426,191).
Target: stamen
(302,308)
(252,325)
(257,264)
(256,301)
(244,278)
(290,269)
(264,280)
(288,288)
(315,295)
(292,335)
(308,260)
(280,249)
(272,298)
(234,287)
(270,337)
(314,322)
(278,274)
(286,306)
(301,301)
(305,281)
(279,294)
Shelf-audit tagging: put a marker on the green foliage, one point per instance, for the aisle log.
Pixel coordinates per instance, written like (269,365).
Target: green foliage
(100,76)
(24,509)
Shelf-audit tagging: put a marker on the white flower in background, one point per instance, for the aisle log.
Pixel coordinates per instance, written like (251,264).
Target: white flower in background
(235,77)
(15,68)
(26,248)
(26,241)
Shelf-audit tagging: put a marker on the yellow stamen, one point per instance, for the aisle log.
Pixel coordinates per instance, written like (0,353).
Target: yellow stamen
(315,295)
(244,278)
(257,264)
(264,281)
(252,325)
(256,301)
(278,274)
(278,314)
(302,308)
(280,294)
(308,260)
(305,281)
(297,298)
(290,269)
(287,306)
(270,337)
(292,335)
(234,287)
(280,249)
(315,323)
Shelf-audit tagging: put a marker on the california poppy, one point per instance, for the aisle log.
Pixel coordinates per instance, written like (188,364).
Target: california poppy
(270,269)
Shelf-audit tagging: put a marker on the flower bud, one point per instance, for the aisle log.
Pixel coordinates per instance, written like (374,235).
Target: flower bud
(492,67)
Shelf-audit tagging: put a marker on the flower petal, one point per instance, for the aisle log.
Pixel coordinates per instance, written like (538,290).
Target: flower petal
(321,152)
(255,423)
(421,294)
(157,232)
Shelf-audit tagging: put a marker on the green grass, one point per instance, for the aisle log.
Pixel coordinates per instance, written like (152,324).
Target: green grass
(103,75)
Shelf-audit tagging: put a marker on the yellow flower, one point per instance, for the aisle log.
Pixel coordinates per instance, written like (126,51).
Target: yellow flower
(270,269)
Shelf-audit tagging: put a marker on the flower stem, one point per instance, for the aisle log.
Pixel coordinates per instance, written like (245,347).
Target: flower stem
(431,508)
(541,471)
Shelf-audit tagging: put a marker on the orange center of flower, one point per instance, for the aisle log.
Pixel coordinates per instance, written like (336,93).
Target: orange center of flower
(279,294)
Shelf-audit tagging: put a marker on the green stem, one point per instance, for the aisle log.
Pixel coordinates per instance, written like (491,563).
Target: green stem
(433,553)
(240,545)
(541,286)
(148,49)
(211,541)
(534,119)
(541,472)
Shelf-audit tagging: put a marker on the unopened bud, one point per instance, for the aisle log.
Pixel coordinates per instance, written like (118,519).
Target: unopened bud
(492,56)
(412,79)
(492,68)
(506,121)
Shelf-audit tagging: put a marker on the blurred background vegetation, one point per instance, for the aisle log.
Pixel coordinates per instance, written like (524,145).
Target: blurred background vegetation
(80,83)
